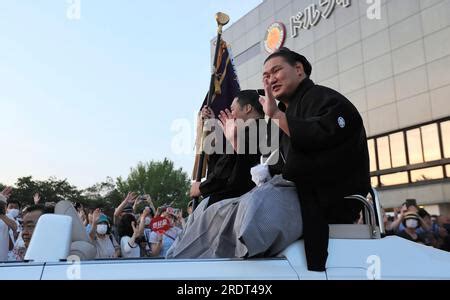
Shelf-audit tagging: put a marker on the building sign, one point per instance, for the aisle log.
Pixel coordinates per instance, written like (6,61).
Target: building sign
(275,37)
(311,15)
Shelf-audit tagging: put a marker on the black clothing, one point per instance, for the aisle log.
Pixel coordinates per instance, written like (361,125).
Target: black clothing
(229,174)
(326,157)
(418,239)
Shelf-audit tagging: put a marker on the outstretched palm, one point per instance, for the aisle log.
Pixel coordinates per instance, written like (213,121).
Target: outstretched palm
(36,198)
(268,102)
(228,125)
(7,192)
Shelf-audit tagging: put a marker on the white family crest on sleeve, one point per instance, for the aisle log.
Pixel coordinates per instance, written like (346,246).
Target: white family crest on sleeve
(341,122)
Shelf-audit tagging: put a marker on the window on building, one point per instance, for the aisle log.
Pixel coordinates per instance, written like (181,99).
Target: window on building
(427,174)
(394,179)
(398,154)
(414,146)
(384,154)
(411,155)
(374,181)
(445,133)
(430,139)
(372,157)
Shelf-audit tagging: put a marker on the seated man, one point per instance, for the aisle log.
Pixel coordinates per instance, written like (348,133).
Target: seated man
(261,221)
(323,144)
(229,174)
(31,216)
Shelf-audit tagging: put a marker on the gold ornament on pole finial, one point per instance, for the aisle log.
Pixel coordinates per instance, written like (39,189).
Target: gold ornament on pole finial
(222,20)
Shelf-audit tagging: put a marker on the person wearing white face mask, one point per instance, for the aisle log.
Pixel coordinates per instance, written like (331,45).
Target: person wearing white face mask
(107,246)
(8,226)
(411,221)
(13,212)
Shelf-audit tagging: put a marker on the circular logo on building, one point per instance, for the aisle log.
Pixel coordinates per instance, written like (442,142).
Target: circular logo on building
(275,37)
(341,122)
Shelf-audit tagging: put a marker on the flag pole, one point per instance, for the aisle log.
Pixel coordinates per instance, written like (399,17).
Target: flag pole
(222,19)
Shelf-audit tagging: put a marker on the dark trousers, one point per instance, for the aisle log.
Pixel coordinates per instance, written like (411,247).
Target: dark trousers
(321,207)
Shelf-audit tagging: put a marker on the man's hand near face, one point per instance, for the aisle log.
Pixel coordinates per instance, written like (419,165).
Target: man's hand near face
(271,109)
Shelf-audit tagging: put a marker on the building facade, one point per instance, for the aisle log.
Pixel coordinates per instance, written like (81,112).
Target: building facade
(391,58)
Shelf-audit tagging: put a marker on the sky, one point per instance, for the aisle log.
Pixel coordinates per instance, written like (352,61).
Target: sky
(88,98)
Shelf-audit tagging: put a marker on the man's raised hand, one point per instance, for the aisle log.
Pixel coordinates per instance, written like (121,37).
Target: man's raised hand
(268,102)
(7,191)
(228,125)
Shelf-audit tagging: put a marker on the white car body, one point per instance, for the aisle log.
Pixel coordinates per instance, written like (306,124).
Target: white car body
(383,258)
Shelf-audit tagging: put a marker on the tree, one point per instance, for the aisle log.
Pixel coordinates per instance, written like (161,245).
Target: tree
(160,180)
(50,190)
(102,194)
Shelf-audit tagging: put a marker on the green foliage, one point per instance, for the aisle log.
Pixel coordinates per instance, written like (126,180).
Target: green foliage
(103,194)
(160,180)
(50,190)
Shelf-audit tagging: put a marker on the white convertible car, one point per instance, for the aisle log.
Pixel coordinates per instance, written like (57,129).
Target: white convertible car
(355,252)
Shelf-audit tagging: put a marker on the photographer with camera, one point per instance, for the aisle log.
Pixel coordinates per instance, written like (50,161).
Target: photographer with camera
(145,214)
(412,222)
(409,206)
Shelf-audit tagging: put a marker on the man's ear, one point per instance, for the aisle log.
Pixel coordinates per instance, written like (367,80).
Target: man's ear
(299,69)
(248,108)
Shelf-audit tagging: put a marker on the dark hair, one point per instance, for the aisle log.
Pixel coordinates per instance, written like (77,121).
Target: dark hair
(250,97)
(291,58)
(128,209)
(14,202)
(125,228)
(141,207)
(37,207)
(411,202)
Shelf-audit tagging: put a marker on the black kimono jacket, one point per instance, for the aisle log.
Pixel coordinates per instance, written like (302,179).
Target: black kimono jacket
(229,174)
(326,157)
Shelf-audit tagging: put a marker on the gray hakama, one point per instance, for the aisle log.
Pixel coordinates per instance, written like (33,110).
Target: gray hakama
(260,223)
